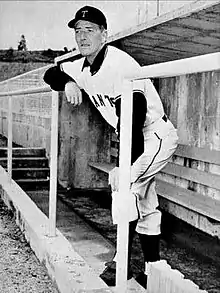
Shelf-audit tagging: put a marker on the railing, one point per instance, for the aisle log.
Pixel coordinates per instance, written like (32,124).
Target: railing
(204,63)
(208,62)
(53,151)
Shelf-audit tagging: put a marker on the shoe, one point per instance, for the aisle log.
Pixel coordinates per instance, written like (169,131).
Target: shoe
(109,274)
(142,280)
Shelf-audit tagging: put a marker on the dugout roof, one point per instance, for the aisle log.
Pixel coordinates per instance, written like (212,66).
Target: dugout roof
(192,30)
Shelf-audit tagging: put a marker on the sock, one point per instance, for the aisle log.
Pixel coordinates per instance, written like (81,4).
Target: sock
(150,246)
(132,227)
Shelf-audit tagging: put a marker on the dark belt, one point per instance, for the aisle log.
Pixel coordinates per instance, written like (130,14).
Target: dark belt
(164,118)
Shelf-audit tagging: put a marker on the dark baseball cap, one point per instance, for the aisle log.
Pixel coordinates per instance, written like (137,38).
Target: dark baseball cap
(91,14)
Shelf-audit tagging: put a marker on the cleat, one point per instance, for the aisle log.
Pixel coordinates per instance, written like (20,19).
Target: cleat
(109,274)
(142,280)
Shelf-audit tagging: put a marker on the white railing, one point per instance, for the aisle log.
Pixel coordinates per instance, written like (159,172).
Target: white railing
(204,63)
(54,143)
(208,62)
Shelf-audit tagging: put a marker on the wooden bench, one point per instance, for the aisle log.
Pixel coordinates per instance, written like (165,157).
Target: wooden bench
(188,186)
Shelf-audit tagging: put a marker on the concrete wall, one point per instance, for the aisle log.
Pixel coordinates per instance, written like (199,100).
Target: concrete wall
(159,7)
(137,12)
(31,113)
(84,137)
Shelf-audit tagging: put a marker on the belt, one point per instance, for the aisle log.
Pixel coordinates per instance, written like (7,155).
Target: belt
(164,118)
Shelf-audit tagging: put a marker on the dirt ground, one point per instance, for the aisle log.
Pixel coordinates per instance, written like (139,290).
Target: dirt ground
(20,270)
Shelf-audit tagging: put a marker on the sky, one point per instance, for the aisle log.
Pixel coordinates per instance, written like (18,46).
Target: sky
(44,23)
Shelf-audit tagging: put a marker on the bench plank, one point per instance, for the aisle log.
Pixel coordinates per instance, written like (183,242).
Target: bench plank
(197,153)
(201,177)
(192,200)
(104,167)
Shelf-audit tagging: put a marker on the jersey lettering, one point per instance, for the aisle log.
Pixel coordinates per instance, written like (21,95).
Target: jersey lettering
(111,100)
(99,100)
(95,102)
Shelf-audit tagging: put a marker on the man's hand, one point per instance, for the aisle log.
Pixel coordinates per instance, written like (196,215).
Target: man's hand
(114,179)
(73,93)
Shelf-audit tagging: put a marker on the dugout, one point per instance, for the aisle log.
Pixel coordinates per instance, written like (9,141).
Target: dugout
(87,146)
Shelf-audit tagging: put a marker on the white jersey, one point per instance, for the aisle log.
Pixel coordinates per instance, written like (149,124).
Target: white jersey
(105,86)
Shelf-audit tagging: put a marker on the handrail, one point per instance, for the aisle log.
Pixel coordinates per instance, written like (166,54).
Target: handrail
(202,63)
(208,62)
(36,90)
(53,151)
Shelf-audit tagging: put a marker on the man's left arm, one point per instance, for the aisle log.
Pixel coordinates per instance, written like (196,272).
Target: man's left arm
(56,78)
(139,116)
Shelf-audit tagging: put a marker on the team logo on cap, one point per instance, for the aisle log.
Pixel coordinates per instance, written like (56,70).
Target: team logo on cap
(84,12)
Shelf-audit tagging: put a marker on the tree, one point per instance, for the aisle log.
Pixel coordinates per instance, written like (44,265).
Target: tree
(22,44)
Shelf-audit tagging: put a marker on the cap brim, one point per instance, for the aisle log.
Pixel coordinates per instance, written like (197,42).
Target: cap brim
(72,23)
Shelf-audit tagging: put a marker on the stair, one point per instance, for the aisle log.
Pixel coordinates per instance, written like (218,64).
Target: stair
(29,167)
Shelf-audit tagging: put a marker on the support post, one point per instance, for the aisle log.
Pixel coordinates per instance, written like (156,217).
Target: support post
(9,144)
(158,7)
(124,185)
(53,165)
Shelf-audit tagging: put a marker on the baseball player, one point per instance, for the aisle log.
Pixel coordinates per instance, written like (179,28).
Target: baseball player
(99,75)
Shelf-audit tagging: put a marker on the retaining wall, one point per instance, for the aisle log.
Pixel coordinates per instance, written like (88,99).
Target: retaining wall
(31,113)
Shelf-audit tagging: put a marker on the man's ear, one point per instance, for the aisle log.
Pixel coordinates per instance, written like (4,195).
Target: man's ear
(104,36)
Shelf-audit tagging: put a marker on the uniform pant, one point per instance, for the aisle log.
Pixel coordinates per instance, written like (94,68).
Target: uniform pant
(160,142)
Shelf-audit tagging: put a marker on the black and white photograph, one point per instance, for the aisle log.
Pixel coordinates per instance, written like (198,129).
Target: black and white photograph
(110,146)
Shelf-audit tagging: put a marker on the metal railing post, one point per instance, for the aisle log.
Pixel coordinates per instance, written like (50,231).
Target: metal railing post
(158,7)
(53,164)
(124,184)
(9,142)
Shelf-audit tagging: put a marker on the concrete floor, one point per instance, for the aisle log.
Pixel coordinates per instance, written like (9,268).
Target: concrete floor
(92,246)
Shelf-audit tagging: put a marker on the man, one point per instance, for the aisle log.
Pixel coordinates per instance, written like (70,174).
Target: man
(99,74)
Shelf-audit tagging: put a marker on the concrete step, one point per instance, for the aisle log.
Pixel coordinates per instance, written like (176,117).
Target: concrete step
(32,173)
(33,184)
(31,162)
(24,152)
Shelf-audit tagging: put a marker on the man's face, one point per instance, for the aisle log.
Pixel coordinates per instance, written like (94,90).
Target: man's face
(90,38)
